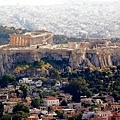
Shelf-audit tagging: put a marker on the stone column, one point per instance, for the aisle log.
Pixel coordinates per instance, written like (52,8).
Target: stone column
(25,42)
(14,41)
(18,42)
(11,41)
(21,41)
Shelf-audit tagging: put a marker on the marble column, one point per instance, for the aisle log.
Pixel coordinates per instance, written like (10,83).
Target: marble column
(14,41)
(16,38)
(21,41)
(17,41)
(11,41)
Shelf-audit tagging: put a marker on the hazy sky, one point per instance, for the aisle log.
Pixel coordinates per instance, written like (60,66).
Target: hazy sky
(39,2)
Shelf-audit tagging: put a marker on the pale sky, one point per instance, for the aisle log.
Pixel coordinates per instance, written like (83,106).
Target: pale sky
(40,2)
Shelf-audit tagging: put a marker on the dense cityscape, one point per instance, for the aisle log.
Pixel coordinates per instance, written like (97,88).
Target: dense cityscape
(76,19)
(60,61)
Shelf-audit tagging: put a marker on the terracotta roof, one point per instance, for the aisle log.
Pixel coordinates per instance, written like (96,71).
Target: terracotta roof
(51,98)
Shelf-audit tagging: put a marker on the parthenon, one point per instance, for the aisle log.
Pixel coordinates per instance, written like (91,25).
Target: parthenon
(31,38)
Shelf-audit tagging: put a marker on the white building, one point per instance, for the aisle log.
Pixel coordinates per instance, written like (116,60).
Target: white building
(35,111)
(38,83)
(104,114)
(51,101)
(87,115)
(57,84)
(25,80)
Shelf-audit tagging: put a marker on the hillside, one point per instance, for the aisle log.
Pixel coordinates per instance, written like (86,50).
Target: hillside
(5,31)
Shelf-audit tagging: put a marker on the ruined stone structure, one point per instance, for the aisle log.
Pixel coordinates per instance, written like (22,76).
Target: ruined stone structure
(99,43)
(94,44)
(79,45)
(32,38)
(76,54)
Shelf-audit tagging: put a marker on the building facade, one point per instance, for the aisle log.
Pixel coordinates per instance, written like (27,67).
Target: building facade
(51,101)
(32,38)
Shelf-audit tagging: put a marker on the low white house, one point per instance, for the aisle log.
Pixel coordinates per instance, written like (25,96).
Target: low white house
(8,106)
(25,80)
(87,115)
(44,112)
(51,101)
(35,111)
(57,84)
(38,83)
(3,97)
(104,114)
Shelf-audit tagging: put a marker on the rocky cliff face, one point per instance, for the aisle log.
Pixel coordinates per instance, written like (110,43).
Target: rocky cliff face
(115,56)
(104,57)
(73,58)
(8,59)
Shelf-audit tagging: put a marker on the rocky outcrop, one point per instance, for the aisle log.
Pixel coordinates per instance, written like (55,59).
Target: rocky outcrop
(101,57)
(115,56)
(104,57)
(9,58)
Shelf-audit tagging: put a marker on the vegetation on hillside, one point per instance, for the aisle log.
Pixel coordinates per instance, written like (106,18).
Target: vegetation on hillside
(5,31)
(7,79)
(84,82)
(61,39)
(20,112)
(37,65)
(87,82)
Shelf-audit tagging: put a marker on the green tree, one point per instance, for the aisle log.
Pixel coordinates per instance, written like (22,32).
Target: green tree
(54,74)
(77,88)
(1,109)
(59,114)
(63,103)
(24,89)
(7,79)
(36,102)
(20,115)
(21,107)
(76,117)
(6,117)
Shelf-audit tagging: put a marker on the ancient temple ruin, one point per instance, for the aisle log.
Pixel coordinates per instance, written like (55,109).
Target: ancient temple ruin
(31,38)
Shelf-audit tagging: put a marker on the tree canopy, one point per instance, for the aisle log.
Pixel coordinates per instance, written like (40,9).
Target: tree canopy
(36,102)
(7,79)
(21,107)
(24,89)
(78,88)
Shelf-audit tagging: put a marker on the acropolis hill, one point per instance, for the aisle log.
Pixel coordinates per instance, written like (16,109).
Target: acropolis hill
(33,46)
